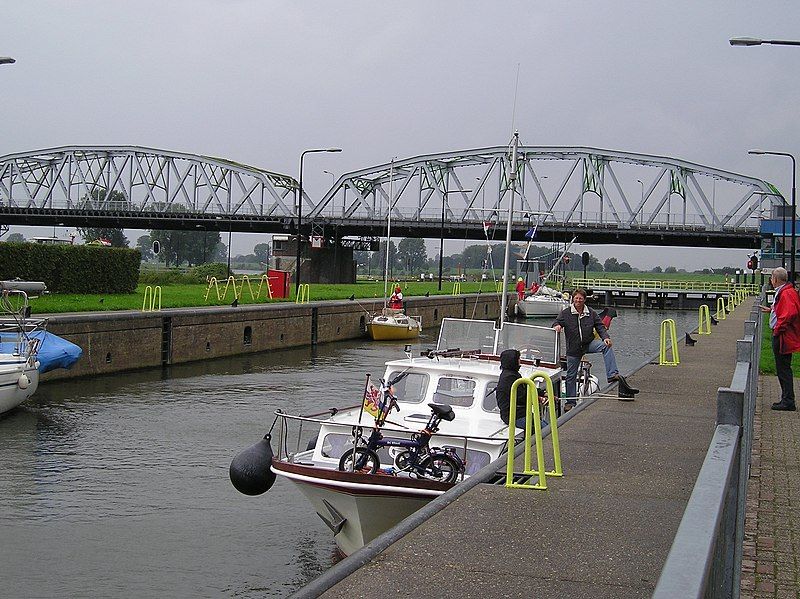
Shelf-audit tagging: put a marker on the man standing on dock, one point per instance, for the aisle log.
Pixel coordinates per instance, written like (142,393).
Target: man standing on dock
(579,323)
(784,320)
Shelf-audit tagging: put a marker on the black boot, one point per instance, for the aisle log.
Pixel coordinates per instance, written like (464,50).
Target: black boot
(625,391)
(784,406)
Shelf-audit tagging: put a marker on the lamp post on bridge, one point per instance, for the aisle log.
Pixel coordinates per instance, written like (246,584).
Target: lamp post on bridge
(794,208)
(7,60)
(753,41)
(441,229)
(300,210)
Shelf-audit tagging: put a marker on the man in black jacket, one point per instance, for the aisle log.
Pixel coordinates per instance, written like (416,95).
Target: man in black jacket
(579,323)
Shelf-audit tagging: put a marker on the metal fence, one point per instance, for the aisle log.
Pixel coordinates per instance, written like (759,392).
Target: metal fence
(706,555)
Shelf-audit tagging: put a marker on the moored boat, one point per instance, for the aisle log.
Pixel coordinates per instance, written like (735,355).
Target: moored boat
(393,324)
(360,501)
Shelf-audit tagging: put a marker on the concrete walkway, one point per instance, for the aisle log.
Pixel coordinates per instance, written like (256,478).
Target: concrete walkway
(771,560)
(605,529)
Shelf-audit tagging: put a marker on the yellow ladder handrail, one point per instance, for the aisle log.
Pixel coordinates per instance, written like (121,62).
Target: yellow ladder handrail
(152,293)
(731,302)
(720,315)
(456,288)
(704,317)
(303,294)
(668,328)
(532,415)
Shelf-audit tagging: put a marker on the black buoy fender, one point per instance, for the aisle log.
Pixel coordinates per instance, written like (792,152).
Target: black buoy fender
(250,471)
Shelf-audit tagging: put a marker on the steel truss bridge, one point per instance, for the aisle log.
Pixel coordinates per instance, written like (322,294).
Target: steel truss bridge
(601,196)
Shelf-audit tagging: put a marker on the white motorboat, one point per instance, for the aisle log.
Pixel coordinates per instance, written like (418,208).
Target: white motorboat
(19,367)
(546,302)
(359,505)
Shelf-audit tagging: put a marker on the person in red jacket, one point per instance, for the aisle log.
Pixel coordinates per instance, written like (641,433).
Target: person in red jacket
(784,320)
(520,288)
(396,300)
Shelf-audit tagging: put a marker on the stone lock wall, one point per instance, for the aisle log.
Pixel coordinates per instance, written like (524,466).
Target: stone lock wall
(118,341)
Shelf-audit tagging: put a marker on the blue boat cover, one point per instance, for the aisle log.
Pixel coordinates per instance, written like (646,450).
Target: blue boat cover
(55,352)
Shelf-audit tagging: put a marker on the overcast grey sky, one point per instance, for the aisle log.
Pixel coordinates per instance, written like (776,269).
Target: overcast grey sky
(259,81)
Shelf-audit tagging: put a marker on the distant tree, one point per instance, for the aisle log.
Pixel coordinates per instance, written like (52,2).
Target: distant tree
(657,269)
(115,236)
(16,238)
(262,252)
(670,269)
(412,254)
(611,265)
(625,267)
(145,245)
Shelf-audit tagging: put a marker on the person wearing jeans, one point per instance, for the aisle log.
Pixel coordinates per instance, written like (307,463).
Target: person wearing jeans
(579,323)
(784,320)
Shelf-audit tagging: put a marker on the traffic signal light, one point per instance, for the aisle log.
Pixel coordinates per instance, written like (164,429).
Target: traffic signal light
(750,264)
(754,260)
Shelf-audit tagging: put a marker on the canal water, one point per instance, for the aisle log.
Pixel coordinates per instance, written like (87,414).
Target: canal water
(118,486)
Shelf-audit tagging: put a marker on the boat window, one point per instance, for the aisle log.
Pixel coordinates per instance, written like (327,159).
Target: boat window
(475,459)
(490,398)
(455,391)
(335,444)
(411,388)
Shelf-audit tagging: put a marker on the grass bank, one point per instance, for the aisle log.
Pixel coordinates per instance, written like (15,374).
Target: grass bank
(191,295)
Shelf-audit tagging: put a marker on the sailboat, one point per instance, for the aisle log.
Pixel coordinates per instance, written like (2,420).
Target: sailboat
(392,323)
(545,302)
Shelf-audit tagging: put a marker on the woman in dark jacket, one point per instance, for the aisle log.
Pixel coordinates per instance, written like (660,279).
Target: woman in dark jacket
(509,372)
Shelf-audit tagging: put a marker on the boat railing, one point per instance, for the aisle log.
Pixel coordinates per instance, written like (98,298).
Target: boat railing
(314,420)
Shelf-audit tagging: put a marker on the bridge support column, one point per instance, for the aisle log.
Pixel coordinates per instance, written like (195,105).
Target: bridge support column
(642,299)
(608,297)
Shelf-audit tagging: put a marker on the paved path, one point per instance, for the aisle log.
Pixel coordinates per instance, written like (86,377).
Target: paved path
(605,529)
(771,560)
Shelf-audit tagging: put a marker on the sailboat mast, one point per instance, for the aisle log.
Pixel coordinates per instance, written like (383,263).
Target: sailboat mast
(512,179)
(388,232)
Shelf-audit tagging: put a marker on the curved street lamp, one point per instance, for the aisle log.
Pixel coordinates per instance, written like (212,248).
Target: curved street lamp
(754,41)
(794,207)
(7,60)
(300,209)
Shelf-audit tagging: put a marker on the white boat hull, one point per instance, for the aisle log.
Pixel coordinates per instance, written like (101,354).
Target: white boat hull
(532,307)
(359,507)
(12,392)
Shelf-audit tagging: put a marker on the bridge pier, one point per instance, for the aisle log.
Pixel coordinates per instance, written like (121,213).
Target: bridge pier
(330,263)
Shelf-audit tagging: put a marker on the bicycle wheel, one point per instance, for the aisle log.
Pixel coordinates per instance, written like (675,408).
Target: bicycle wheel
(403,460)
(440,467)
(365,459)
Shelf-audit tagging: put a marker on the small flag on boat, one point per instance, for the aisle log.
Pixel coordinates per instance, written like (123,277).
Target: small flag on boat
(531,233)
(372,400)
(486,226)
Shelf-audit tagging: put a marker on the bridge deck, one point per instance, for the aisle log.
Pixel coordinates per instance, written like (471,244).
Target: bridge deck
(605,529)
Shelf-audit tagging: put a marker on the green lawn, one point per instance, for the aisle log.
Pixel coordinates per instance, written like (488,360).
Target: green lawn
(767,365)
(182,295)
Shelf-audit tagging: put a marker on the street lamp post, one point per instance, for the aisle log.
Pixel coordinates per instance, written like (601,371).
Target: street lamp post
(441,229)
(300,210)
(7,60)
(793,249)
(333,182)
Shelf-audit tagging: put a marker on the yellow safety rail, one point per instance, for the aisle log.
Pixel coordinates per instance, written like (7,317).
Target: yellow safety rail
(731,302)
(237,291)
(668,329)
(457,288)
(303,294)
(720,315)
(532,416)
(704,326)
(498,286)
(151,293)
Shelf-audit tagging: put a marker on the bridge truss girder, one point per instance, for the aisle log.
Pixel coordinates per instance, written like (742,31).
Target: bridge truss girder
(679,201)
(131,180)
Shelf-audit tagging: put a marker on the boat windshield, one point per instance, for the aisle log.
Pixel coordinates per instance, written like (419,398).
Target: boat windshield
(532,341)
(466,335)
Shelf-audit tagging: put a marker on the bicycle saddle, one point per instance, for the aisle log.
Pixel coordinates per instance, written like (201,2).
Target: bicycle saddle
(443,411)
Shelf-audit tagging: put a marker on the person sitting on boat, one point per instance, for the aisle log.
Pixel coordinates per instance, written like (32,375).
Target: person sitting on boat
(579,323)
(520,288)
(396,299)
(509,372)
(534,288)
